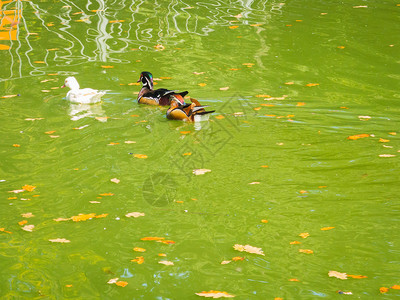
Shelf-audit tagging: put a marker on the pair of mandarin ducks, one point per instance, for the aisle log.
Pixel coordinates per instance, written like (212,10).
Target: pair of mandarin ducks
(178,110)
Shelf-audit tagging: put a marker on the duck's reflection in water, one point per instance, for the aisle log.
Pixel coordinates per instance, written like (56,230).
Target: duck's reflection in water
(79,111)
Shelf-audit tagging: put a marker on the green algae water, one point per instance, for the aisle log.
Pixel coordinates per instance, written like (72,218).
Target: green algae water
(305,137)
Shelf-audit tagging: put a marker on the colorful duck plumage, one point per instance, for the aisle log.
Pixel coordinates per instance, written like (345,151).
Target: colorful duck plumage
(192,112)
(148,95)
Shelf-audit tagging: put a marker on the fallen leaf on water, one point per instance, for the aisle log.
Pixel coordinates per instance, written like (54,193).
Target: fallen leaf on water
(395,287)
(393,133)
(304,235)
(113,143)
(220,117)
(139,260)
(16,191)
(202,84)
(143,156)
(115,180)
(387,155)
(81,127)
(364,118)
(83,217)
(59,240)
(224,88)
(289,83)
(27,215)
(256,25)
(130,142)
(360,6)
(121,283)
(358,136)
(62,219)
(257,108)
(16,145)
(185,132)
(187,154)
(336,274)
(134,83)
(383,290)
(162,254)
(312,84)
(138,249)
(116,21)
(201,171)
(264,166)
(238,258)
(166,262)
(294,279)
(357,276)
(341,47)
(263,96)
(4,47)
(264,221)
(233,27)
(94,202)
(159,47)
(28,187)
(113,280)
(23,222)
(54,136)
(198,73)
(4,230)
(9,96)
(234,69)
(254,182)
(101,118)
(295,243)
(135,214)
(106,194)
(50,132)
(300,104)
(248,249)
(167,242)
(327,228)
(101,216)
(28,228)
(381,140)
(107,67)
(303,192)
(308,251)
(225,262)
(152,238)
(215,294)
(68,285)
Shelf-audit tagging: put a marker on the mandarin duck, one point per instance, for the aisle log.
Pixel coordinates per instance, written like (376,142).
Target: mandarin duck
(78,95)
(148,95)
(193,112)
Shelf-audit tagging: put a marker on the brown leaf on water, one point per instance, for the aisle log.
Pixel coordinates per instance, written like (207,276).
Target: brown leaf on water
(121,283)
(59,240)
(312,84)
(215,294)
(304,235)
(135,214)
(115,180)
(167,242)
(238,258)
(166,262)
(358,136)
(395,287)
(307,251)
(327,228)
(383,290)
(28,228)
(142,156)
(336,274)
(23,222)
(248,249)
(139,260)
(28,187)
(138,249)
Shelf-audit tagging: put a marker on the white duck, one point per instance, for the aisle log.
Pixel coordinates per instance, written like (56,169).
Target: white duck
(77,95)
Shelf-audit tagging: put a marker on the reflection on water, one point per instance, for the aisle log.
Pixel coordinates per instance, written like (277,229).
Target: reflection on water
(80,111)
(76,33)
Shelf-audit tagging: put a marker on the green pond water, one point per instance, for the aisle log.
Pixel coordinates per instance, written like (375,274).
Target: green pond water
(331,70)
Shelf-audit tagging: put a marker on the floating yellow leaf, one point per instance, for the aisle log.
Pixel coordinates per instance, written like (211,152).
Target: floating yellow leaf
(106,194)
(159,47)
(94,202)
(264,221)
(4,47)
(27,215)
(304,235)
(308,251)
(107,67)
(267,104)
(263,96)
(358,136)
(134,83)
(202,84)
(152,238)
(116,21)
(135,214)
(201,171)
(220,117)
(336,274)
(187,154)
(393,133)
(264,166)
(28,228)
(341,47)
(224,88)
(294,279)
(383,140)
(113,143)
(327,228)
(162,254)
(62,219)
(4,230)
(39,62)
(312,84)
(59,240)
(233,27)
(185,132)
(179,201)
(357,276)
(139,260)
(248,249)
(68,285)
(198,73)
(395,287)
(225,262)
(101,216)
(83,217)
(256,25)
(121,283)
(237,258)
(9,96)
(289,83)
(166,262)
(167,242)
(50,132)
(383,290)
(23,222)
(16,145)
(140,156)
(234,69)
(215,294)
(300,104)
(257,108)
(130,142)
(254,182)
(295,243)
(28,187)
(138,249)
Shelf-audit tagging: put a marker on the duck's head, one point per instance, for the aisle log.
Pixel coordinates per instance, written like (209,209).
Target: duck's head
(147,79)
(72,83)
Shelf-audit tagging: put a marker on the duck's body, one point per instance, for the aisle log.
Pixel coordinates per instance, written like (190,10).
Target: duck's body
(192,112)
(148,95)
(78,95)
